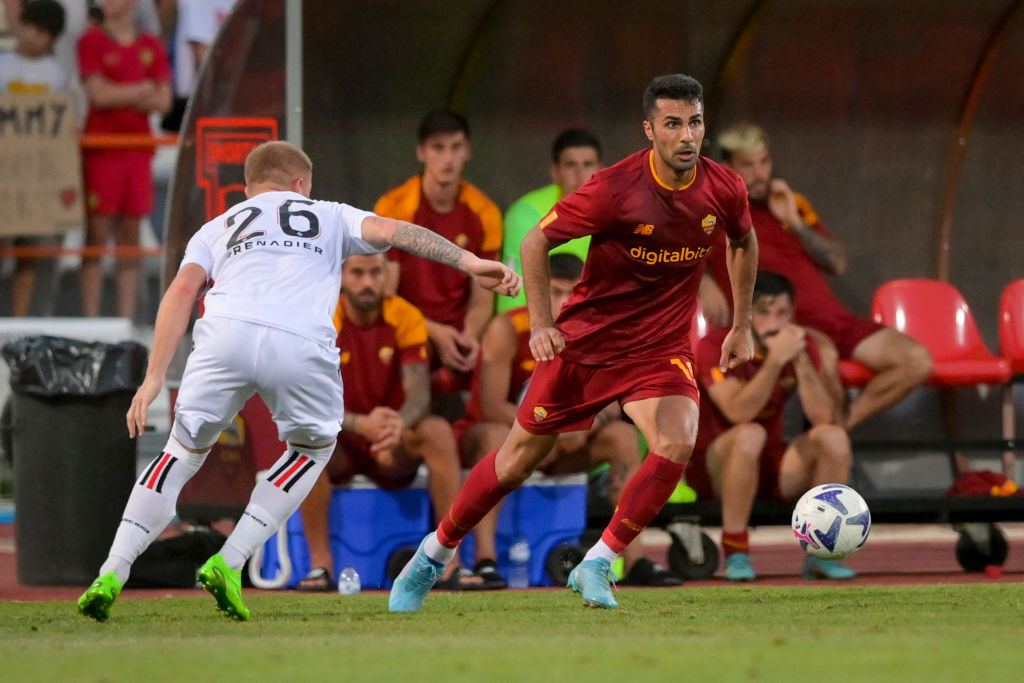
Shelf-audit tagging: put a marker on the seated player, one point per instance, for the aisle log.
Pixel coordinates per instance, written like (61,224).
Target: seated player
(505,367)
(794,243)
(440,199)
(386,433)
(741,453)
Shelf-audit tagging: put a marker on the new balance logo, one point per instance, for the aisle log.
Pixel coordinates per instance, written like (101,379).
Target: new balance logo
(285,476)
(644,229)
(156,474)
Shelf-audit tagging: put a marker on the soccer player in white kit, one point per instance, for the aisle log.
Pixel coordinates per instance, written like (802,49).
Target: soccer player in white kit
(273,267)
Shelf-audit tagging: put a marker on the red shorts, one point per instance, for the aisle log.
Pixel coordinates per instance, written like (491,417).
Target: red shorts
(848,330)
(768,476)
(118,182)
(352,456)
(565,396)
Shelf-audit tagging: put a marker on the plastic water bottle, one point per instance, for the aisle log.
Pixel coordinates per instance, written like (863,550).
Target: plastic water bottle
(348,581)
(519,561)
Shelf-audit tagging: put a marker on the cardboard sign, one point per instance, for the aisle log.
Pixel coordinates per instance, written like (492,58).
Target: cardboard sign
(40,166)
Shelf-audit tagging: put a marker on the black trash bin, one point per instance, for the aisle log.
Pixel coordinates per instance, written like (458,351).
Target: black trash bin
(74,464)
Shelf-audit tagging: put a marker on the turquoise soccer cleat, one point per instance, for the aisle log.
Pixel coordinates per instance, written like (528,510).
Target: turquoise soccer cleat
(417,578)
(225,584)
(97,601)
(738,568)
(816,568)
(591,578)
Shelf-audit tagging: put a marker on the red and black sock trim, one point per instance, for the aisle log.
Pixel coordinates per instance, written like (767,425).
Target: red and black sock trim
(156,474)
(285,476)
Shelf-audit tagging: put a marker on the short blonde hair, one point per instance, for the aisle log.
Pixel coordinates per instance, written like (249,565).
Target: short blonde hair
(276,162)
(741,136)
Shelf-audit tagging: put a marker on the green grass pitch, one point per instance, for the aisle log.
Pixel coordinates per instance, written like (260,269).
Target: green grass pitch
(972,632)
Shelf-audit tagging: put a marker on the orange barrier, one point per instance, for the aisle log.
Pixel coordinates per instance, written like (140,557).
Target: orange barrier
(125,140)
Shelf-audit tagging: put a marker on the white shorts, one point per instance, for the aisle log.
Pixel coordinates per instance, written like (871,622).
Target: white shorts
(298,379)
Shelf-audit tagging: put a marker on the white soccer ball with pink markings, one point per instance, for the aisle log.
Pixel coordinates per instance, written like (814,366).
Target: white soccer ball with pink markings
(831,521)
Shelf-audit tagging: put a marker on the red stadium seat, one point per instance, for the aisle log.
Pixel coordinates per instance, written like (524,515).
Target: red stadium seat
(854,374)
(1011,345)
(1011,325)
(937,315)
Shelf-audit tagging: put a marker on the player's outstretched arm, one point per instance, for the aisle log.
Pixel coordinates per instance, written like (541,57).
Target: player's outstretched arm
(420,241)
(171,322)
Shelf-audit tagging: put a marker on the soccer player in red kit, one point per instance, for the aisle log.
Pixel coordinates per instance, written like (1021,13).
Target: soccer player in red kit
(622,336)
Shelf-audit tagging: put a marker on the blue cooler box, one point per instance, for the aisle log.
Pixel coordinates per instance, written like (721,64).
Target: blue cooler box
(368,525)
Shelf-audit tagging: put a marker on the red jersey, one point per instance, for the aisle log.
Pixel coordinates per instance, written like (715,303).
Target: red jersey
(639,286)
(440,292)
(522,365)
(712,421)
(372,356)
(99,53)
(780,251)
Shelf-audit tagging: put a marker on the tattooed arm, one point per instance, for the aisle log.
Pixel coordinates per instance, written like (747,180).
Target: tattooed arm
(418,240)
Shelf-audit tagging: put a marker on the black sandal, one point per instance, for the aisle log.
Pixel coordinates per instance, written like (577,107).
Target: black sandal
(488,571)
(318,580)
(461,580)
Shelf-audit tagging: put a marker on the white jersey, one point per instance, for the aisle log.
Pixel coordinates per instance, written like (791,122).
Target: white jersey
(30,75)
(276,260)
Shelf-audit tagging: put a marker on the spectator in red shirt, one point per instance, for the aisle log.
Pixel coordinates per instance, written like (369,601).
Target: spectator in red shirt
(794,243)
(126,76)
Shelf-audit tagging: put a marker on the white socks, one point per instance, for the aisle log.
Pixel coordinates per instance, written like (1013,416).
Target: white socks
(437,552)
(601,549)
(274,499)
(151,506)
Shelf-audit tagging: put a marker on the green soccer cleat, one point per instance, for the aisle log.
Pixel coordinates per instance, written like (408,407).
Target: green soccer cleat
(225,584)
(99,599)
(591,578)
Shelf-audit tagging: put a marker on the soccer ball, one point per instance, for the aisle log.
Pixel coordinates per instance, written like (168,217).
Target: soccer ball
(831,521)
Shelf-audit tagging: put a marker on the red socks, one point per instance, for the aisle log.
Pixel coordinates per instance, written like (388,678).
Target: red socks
(733,543)
(481,492)
(642,499)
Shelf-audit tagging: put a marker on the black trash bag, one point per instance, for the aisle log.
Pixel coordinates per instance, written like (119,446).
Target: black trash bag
(56,366)
(74,462)
(173,562)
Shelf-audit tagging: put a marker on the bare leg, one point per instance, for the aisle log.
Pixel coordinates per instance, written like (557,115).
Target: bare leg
(22,285)
(126,234)
(433,442)
(616,444)
(484,438)
(900,365)
(97,233)
(733,461)
(821,455)
(314,510)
